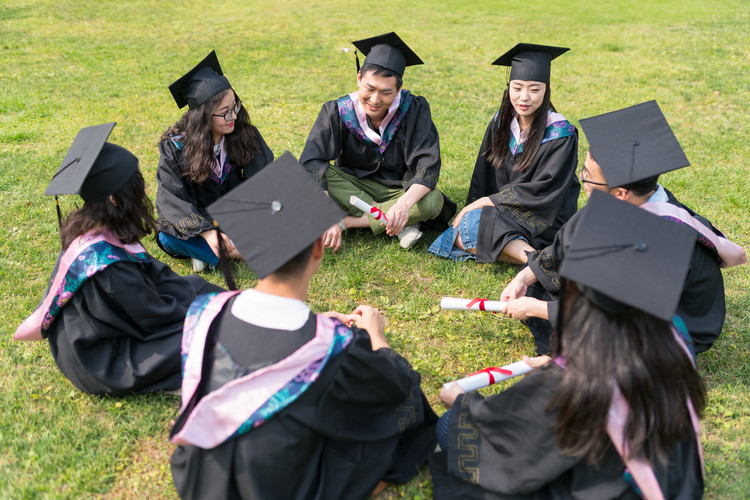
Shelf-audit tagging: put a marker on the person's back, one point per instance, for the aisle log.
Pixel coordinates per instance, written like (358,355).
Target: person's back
(615,412)
(269,387)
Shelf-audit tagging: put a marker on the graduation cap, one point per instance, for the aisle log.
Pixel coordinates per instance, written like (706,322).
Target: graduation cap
(529,61)
(201,83)
(633,144)
(622,257)
(275,214)
(388,51)
(93,167)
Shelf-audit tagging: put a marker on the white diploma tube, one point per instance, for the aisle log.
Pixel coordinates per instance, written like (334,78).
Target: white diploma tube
(373,212)
(490,376)
(478,305)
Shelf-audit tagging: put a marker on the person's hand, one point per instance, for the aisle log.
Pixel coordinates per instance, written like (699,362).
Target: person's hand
(482,202)
(332,237)
(398,216)
(346,319)
(514,290)
(373,322)
(537,361)
(212,238)
(448,396)
(524,308)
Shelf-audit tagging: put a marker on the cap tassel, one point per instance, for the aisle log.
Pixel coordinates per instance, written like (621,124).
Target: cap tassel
(632,159)
(224,263)
(356,58)
(59,213)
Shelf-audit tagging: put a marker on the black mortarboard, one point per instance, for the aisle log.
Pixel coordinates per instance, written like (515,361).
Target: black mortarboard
(275,214)
(388,51)
(202,82)
(622,256)
(633,144)
(529,61)
(93,167)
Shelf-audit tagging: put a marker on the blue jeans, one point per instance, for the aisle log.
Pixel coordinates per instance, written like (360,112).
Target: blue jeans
(441,430)
(444,246)
(195,248)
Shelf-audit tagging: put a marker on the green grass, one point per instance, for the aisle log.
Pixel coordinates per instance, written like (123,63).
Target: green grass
(66,65)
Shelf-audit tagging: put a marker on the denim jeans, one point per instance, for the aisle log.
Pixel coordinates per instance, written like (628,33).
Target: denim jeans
(441,430)
(195,248)
(444,245)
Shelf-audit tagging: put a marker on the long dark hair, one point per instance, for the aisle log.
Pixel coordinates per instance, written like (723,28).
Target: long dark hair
(197,142)
(500,143)
(637,351)
(129,218)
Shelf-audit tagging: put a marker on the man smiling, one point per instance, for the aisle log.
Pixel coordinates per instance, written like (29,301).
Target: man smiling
(384,146)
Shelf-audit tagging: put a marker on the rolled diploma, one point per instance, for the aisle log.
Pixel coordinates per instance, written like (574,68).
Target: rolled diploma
(456,303)
(479,380)
(373,212)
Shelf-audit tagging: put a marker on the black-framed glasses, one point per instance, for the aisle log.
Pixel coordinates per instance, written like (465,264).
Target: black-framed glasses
(234,110)
(585,180)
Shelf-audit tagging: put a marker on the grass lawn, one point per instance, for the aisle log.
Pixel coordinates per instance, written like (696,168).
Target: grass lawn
(69,64)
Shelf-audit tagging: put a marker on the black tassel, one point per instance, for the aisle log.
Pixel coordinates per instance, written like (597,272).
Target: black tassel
(59,214)
(356,57)
(224,263)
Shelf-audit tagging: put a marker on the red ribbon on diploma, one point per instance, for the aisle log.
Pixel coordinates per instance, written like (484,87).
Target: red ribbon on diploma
(474,301)
(491,369)
(377,213)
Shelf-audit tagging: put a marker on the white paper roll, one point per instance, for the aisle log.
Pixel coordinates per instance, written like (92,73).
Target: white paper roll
(460,304)
(368,209)
(479,380)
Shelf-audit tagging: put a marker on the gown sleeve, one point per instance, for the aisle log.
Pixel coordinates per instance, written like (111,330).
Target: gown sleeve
(324,143)
(506,443)
(422,146)
(176,201)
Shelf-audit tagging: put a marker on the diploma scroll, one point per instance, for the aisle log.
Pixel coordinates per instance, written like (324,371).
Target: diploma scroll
(373,212)
(472,304)
(489,376)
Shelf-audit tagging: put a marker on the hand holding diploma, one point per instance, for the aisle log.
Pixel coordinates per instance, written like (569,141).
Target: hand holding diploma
(373,212)
(472,304)
(492,375)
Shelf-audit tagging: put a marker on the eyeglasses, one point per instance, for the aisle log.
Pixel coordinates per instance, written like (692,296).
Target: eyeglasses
(584,180)
(234,110)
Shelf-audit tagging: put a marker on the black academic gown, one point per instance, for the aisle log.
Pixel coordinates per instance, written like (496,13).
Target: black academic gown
(702,305)
(504,447)
(364,419)
(412,157)
(533,204)
(121,332)
(180,204)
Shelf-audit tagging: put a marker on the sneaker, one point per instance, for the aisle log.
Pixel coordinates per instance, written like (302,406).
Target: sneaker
(198,265)
(408,236)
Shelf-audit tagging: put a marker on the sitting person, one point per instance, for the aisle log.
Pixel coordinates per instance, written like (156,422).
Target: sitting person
(112,313)
(208,152)
(524,185)
(629,170)
(615,413)
(385,147)
(279,402)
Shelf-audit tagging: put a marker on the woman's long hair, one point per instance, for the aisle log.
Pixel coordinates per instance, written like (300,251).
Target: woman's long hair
(501,142)
(197,142)
(640,353)
(129,218)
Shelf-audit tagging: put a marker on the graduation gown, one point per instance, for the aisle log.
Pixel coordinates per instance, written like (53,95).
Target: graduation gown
(180,204)
(411,157)
(533,204)
(362,419)
(504,447)
(702,305)
(120,333)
